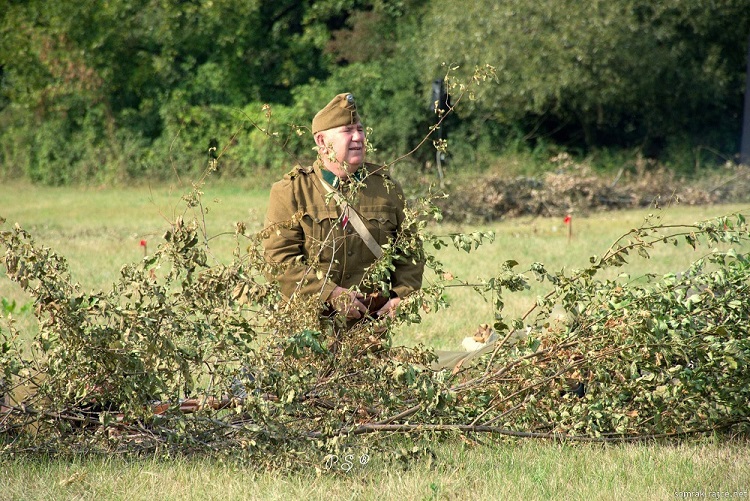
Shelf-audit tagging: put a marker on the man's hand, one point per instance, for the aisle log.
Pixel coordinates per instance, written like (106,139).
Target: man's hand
(348,303)
(389,308)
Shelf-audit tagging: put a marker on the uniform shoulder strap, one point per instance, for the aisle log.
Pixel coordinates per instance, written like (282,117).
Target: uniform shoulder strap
(351,216)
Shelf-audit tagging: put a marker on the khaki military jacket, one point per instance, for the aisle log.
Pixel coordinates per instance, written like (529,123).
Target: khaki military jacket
(316,250)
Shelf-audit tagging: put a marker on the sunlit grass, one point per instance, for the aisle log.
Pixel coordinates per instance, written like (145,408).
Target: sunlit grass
(459,470)
(98,231)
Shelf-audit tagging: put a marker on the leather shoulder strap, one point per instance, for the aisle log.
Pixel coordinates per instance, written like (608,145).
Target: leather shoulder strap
(352,217)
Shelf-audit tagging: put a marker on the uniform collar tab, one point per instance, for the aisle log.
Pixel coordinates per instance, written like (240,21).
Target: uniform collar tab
(332,179)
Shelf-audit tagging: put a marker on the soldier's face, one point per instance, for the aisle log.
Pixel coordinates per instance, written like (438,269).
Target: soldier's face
(343,149)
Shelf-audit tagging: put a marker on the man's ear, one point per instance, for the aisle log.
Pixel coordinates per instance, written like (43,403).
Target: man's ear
(320,140)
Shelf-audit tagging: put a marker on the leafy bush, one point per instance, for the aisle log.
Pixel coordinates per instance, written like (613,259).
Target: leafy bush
(183,355)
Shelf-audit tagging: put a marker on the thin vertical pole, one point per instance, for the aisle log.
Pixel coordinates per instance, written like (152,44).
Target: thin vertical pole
(745,145)
(439,161)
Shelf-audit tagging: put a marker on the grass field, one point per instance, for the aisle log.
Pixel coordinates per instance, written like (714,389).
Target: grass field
(98,230)
(510,470)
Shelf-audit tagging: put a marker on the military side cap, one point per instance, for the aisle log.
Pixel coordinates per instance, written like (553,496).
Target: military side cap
(342,110)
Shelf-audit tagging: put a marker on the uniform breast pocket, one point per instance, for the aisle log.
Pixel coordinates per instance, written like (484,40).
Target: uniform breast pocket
(382,221)
(320,224)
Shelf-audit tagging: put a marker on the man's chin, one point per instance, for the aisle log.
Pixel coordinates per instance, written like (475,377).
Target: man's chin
(354,162)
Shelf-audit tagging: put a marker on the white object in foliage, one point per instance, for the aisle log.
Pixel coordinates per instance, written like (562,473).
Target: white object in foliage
(485,335)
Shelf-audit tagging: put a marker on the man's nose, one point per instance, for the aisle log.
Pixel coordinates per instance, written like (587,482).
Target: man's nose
(358,135)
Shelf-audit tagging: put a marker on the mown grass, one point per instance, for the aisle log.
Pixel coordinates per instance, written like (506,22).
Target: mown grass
(99,230)
(506,470)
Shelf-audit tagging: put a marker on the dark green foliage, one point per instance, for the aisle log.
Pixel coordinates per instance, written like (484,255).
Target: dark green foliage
(134,65)
(85,87)
(593,75)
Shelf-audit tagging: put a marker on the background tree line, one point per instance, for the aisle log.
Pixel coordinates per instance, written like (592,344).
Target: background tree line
(111,90)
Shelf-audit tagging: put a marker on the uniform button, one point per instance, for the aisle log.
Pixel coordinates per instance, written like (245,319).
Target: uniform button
(349,230)
(349,253)
(348,276)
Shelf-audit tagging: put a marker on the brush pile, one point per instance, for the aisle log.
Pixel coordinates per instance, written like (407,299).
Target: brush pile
(183,356)
(575,188)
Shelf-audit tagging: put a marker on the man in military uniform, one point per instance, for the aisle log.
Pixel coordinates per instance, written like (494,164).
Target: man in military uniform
(329,221)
